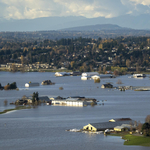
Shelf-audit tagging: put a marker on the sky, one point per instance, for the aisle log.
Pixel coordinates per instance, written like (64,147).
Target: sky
(30,9)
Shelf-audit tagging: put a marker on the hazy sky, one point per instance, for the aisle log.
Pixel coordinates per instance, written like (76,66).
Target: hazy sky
(29,9)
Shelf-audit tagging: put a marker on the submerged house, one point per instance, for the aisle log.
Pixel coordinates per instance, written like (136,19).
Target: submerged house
(88,75)
(61,74)
(120,119)
(31,84)
(108,85)
(69,102)
(75,73)
(73,101)
(123,127)
(47,82)
(85,74)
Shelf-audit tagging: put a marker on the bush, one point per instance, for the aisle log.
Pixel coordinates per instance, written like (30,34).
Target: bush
(93,104)
(60,88)
(119,81)
(6,87)
(5,102)
(97,80)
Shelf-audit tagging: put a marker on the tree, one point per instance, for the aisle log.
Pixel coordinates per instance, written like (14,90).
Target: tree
(137,68)
(139,126)
(91,68)
(72,63)
(104,69)
(100,69)
(119,81)
(14,69)
(22,59)
(24,97)
(35,97)
(116,73)
(128,63)
(146,129)
(147,119)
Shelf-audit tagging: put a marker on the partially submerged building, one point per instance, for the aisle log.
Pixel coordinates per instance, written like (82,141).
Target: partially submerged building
(73,101)
(118,125)
(28,100)
(31,84)
(108,85)
(88,75)
(123,127)
(61,74)
(47,82)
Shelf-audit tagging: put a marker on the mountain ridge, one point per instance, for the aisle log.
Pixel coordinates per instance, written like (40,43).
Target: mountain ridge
(97,27)
(140,22)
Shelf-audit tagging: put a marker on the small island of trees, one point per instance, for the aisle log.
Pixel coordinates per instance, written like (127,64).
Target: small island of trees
(9,86)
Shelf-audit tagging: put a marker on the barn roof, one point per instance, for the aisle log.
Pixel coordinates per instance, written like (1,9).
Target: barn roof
(109,125)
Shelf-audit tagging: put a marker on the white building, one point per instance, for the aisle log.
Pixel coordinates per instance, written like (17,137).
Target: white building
(70,102)
(89,74)
(60,74)
(31,84)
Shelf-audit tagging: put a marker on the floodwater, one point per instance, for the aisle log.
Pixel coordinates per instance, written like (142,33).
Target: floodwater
(45,127)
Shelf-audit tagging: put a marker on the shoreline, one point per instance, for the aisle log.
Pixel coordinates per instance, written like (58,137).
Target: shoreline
(14,109)
(133,139)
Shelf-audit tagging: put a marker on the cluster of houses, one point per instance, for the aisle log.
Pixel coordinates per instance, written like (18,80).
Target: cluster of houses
(69,101)
(28,100)
(27,67)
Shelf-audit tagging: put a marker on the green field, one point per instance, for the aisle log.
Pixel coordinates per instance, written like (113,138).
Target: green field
(136,140)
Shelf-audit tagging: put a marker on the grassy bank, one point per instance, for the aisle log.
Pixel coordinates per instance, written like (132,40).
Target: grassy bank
(134,140)
(17,108)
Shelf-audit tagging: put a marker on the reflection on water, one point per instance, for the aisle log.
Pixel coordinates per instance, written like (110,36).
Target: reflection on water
(45,126)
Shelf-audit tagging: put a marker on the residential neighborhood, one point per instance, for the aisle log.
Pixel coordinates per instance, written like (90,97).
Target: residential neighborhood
(82,54)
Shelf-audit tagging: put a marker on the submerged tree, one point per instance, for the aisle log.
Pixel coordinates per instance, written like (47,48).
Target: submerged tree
(35,98)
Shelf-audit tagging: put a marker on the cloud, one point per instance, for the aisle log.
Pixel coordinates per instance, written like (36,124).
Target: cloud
(137,7)
(142,2)
(29,9)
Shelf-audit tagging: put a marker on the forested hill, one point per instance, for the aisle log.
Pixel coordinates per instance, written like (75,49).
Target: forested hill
(97,27)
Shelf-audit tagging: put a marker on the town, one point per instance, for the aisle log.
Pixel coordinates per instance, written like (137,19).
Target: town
(79,54)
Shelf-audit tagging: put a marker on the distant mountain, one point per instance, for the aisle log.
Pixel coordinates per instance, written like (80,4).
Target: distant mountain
(97,27)
(39,24)
(58,23)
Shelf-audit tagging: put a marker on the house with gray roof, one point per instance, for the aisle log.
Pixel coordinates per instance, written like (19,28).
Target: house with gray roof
(105,125)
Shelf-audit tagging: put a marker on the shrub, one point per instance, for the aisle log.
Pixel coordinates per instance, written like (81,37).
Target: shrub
(119,81)
(93,104)
(6,87)
(5,102)
(97,80)
(61,88)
